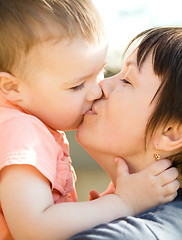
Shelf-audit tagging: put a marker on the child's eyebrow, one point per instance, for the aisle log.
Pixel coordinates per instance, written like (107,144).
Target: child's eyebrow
(79,79)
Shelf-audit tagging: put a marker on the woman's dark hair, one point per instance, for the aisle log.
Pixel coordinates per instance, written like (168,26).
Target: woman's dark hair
(165,44)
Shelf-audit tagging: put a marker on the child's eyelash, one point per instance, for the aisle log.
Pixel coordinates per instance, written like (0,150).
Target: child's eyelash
(76,88)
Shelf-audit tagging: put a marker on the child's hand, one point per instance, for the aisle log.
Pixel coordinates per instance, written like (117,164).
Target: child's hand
(94,194)
(152,186)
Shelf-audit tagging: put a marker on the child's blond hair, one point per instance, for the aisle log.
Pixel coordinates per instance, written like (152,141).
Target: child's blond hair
(25,23)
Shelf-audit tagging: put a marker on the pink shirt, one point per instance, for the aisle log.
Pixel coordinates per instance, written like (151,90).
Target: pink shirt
(24,139)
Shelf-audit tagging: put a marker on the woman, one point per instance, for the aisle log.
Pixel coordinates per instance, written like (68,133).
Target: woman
(139,118)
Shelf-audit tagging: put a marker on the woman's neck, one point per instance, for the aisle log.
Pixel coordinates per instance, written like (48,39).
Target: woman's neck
(107,162)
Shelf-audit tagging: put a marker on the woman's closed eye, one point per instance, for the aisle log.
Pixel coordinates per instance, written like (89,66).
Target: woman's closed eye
(125,81)
(78,87)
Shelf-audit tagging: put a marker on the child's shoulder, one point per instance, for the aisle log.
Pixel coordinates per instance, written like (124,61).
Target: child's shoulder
(13,114)
(20,121)
(16,123)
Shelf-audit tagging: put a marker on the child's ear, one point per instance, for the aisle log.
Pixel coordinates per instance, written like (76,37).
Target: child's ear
(171,138)
(9,86)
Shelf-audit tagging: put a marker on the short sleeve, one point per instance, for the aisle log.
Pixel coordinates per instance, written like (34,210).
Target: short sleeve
(24,139)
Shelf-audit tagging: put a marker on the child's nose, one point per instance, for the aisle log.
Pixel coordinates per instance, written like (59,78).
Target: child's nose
(95,93)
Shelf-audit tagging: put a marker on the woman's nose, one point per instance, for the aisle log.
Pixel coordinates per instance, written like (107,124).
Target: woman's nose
(107,86)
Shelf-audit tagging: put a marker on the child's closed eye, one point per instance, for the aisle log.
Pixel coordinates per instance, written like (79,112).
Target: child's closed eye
(78,87)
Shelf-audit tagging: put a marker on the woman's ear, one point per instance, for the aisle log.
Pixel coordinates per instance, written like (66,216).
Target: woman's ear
(9,86)
(171,138)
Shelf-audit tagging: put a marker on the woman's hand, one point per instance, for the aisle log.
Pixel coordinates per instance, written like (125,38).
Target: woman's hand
(154,185)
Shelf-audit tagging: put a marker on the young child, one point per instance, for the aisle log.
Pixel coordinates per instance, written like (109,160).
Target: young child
(51,54)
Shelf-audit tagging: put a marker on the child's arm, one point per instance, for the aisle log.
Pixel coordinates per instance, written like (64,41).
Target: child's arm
(28,206)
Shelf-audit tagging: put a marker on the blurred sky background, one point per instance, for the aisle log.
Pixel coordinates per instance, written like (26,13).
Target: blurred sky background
(125,19)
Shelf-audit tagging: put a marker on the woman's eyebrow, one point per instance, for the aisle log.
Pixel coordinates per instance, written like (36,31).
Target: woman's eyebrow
(103,66)
(128,63)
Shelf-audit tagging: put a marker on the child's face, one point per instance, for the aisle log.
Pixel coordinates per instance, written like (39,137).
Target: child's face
(63,82)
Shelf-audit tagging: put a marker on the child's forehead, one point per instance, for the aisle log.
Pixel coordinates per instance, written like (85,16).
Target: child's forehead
(76,58)
(57,45)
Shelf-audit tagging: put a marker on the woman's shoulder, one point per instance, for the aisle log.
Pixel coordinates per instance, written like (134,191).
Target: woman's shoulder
(161,222)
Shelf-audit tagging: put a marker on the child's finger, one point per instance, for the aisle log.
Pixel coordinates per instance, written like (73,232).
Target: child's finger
(168,176)
(122,168)
(169,198)
(171,188)
(159,166)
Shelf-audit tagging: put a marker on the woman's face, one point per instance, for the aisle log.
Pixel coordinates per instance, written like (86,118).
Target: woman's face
(116,125)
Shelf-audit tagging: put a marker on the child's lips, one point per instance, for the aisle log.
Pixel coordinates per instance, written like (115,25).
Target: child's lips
(90,112)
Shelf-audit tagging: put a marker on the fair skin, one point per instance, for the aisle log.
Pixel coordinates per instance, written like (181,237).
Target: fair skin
(125,107)
(58,84)
(59,92)
(116,124)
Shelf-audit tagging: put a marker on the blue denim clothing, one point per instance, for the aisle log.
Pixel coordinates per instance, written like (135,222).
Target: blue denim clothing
(163,222)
